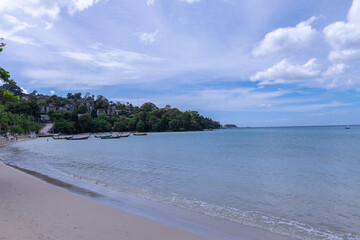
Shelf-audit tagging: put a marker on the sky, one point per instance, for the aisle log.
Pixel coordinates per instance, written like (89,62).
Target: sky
(245,62)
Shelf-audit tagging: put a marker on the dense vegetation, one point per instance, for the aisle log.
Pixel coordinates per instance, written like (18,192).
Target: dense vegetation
(230,126)
(86,117)
(17,123)
(6,94)
(8,121)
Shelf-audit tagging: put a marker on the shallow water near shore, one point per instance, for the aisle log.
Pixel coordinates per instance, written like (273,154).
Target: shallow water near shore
(300,182)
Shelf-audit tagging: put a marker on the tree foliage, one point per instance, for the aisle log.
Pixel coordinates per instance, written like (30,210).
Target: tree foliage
(18,123)
(6,94)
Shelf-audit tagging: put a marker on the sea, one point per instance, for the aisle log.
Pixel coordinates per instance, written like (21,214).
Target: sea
(299,182)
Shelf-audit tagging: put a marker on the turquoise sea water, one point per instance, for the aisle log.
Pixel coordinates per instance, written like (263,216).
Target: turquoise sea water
(301,182)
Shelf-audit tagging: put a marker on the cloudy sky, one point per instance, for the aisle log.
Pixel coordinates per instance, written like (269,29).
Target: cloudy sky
(248,62)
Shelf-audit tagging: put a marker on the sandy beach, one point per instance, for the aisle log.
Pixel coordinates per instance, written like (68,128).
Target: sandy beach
(32,209)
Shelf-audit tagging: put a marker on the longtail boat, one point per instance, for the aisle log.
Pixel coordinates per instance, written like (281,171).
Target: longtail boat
(81,138)
(126,135)
(139,134)
(99,136)
(110,137)
(60,138)
(47,135)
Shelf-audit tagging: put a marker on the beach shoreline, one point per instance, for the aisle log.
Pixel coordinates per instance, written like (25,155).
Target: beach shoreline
(30,209)
(33,209)
(48,208)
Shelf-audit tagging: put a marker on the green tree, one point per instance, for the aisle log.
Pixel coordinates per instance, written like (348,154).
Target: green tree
(2,45)
(131,126)
(15,89)
(5,94)
(163,123)
(119,126)
(85,122)
(77,96)
(55,115)
(152,122)
(29,107)
(82,109)
(20,123)
(69,96)
(63,126)
(4,120)
(140,126)
(100,125)
(174,125)
(93,113)
(148,107)
(101,102)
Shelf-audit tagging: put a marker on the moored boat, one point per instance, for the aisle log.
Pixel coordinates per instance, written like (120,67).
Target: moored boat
(80,138)
(139,134)
(110,137)
(100,136)
(60,138)
(45,135)
(126,135)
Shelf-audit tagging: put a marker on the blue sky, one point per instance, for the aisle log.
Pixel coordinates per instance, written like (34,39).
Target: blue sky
(252,63)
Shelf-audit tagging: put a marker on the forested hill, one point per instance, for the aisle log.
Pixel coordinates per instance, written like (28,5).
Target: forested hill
(76,114)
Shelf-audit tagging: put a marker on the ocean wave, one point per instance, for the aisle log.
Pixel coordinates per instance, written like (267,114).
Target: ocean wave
(280,225)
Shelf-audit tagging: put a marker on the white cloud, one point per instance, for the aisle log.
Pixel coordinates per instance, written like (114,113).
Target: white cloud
(11,4)
(335,69)
(78,56)
(284,38)
(39,11)
(353,15)
(48,25)
(80,5)
(340,82)
(18,25)
(14,27)
(250,99)
(24,90)
(111,58)
(190,1)
(35,8)
(67,78)
(150,2)
(95,46)
(98,59)
(337,76)
(309,74)
(285,72)
(92,68)
(312,107)
(44,9)
(264,106)
(148,38)
(335,112)
(51,9)
(344,37)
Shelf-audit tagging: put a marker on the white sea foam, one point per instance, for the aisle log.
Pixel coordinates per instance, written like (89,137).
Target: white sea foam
(283,226)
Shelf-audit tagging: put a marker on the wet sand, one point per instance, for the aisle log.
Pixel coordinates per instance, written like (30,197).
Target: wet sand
(32,209)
